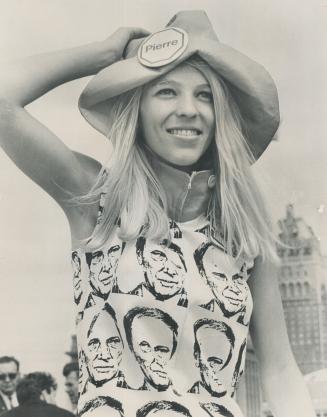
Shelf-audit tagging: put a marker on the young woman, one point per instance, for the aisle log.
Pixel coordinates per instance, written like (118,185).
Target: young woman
(172,249)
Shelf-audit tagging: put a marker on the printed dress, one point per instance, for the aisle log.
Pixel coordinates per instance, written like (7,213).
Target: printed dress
(161,327)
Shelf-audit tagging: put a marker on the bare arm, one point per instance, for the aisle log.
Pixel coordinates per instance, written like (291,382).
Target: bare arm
(32,147)
(283,383)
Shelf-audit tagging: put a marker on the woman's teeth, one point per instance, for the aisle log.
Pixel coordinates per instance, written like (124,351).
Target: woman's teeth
(184,132)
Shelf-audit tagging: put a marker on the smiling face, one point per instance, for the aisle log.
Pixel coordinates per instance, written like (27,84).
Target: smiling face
(177,116)
(212,355)
(103,268)
(226,281)
(153,344)
(164,268)
(104,349)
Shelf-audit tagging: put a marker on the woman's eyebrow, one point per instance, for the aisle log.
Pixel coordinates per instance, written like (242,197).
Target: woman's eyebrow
(167,81)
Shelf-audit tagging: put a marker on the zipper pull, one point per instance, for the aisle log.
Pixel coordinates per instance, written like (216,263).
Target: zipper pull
(190,180)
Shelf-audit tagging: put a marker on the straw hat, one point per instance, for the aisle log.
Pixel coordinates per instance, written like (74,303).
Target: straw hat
(187,33)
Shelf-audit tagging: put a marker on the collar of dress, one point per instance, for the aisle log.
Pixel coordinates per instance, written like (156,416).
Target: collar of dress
(188,195)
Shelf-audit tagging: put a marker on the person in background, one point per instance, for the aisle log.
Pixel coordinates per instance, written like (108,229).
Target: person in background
(36,397)
(9,376)
(70,373)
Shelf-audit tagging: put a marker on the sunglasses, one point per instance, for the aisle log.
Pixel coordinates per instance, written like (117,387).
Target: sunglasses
(9,375)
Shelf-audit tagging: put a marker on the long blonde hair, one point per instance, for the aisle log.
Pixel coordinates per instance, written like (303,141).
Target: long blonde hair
(137,202)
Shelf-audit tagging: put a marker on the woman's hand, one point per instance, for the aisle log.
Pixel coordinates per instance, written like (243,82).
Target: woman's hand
(114,46)
(24,81)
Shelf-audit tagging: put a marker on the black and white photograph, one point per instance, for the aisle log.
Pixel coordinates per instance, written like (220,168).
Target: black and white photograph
(163,208)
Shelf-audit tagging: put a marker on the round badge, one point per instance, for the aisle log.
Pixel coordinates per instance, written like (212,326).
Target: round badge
(163,47)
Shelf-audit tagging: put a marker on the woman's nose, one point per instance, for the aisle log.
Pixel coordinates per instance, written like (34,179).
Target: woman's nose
(186,106)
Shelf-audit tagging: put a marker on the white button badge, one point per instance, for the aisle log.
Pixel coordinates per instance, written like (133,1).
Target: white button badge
(162,47)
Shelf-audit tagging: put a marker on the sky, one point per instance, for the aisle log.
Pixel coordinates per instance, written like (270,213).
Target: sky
(289,37)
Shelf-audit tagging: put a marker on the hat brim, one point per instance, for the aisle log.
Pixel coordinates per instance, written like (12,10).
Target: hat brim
(250,84)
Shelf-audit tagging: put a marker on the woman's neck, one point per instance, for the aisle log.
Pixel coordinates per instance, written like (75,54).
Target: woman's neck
(188,189)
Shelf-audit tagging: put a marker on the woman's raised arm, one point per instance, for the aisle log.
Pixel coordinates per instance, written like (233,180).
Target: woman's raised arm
(282,381)
(31,146)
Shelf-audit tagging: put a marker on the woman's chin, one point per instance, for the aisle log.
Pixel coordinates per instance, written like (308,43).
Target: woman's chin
(182,164)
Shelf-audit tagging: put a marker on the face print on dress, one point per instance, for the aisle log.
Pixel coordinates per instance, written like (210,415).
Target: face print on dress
(164,270)
(175,231)
(152,337)
(82,373)
(103,269)
(216,410)
(225,278)
(163,409)
(103,405)
(76,265)
(213,347)
(101,207)
(104,347)
(238,371)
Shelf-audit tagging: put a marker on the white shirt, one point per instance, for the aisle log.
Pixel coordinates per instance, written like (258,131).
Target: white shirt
(10,403)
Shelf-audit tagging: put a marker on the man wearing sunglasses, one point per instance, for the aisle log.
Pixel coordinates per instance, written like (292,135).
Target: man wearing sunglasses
(9,376)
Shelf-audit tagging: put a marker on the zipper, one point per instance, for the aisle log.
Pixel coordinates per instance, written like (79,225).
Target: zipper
(189,186)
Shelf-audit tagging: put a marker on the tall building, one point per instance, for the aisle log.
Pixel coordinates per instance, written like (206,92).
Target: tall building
(303,287)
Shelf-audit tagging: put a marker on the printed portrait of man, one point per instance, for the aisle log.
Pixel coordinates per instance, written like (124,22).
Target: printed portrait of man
(82,372)
(216,410)
(163,409)
(152,337)
(103,270)
(239,367)
(101,406)
(213,347)
(225,278)
(175,230)
(164,271)
(103,350)
(76,264)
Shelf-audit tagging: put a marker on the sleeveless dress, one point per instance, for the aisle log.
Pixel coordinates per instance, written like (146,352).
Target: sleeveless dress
(162,327)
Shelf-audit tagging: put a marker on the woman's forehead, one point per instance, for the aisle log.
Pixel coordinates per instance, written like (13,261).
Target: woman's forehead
(184,72)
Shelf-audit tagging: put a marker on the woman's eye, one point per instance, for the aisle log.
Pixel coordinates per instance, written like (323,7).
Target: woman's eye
(166,92)
(205,95)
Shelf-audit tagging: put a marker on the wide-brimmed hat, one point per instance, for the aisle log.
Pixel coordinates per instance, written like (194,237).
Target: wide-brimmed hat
(188,33)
